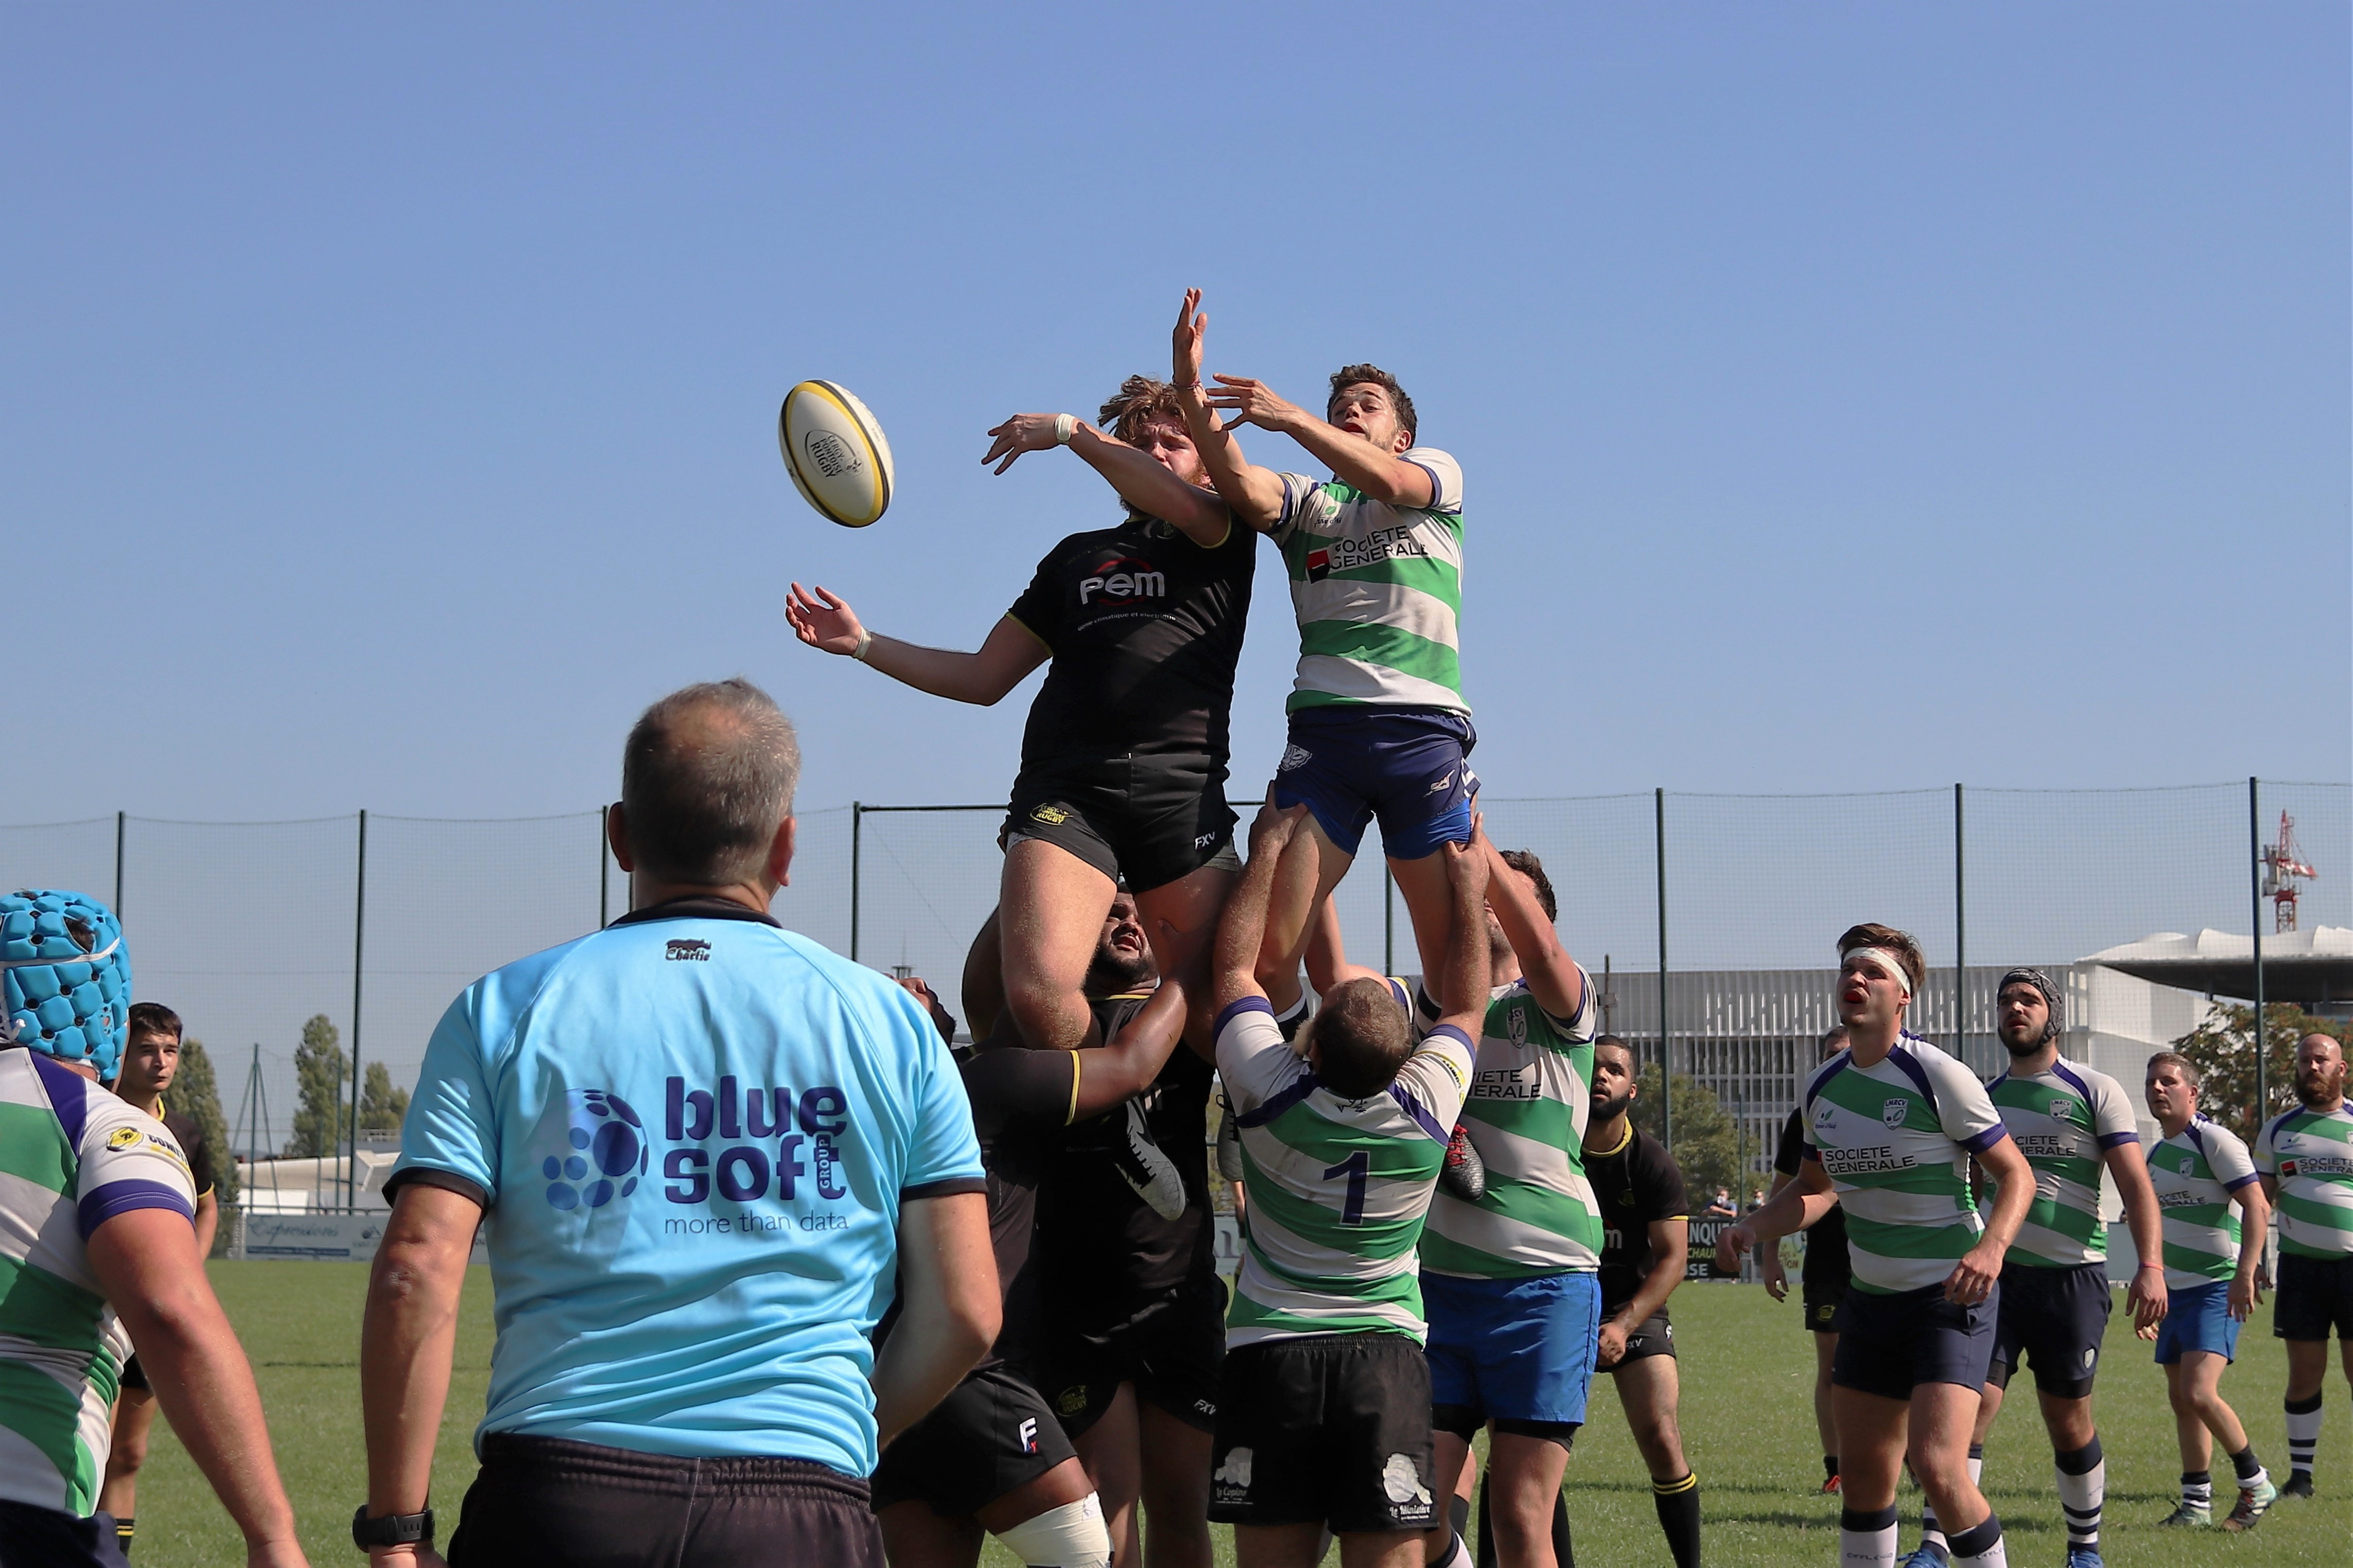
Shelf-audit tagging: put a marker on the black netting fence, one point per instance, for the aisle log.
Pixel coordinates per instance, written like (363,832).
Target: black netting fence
(251,929)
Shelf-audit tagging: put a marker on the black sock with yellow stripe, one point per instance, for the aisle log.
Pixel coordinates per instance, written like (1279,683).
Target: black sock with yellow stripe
(1678,1505)
(124,1529)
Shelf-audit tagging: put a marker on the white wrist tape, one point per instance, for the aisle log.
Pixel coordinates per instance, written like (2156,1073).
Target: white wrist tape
(1065,426)
(1071,1536)
(865,641)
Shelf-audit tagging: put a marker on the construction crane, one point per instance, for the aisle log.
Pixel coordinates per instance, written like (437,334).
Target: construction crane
(2284,867)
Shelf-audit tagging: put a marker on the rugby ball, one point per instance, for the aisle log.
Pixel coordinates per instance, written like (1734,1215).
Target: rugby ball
(840,460)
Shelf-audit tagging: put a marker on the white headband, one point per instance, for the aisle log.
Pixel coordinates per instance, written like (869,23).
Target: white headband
(1883,958)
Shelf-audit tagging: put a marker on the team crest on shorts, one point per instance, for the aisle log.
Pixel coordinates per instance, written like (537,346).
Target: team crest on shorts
(1892,1112)
(1295,758)
(1050,814)
(1072,1400)
(1232,1478)
(1401,1483)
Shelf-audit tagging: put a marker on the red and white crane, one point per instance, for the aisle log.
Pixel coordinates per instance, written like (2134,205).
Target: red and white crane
(2284,867)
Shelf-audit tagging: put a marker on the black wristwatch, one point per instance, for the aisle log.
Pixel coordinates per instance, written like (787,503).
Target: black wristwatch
(391,1530)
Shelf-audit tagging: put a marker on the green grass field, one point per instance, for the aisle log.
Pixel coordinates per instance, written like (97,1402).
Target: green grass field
(1747,1368)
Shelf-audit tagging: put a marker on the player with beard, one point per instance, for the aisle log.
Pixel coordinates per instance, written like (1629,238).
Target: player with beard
(1825,1274)
(991,1457)
(2306,1160)
(2068,1119)
(1646,1241)
(1123,758)
(1132,1309)
(1891,1124)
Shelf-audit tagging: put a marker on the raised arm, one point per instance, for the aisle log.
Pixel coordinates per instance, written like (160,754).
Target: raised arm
(1354,461)
(1234,961)
(1553,977)
(1139,478)
(1254,494)
(826,622)
(147,1265)
(2147,1297)
(1466,1003)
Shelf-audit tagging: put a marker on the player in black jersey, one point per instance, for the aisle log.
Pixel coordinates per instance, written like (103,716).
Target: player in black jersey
(991,1457)
(150,1059)
(1824,1277)
(1646,1239)
(1133,1311)
(1123,761)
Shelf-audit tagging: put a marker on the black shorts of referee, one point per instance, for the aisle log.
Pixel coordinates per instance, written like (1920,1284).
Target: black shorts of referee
(990,1436)
(1152,820)
(581,1505)
(1172,1348)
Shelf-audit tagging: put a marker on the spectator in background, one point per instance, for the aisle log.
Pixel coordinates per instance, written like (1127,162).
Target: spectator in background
(150,1061)
(711,1145)
(1720,1206)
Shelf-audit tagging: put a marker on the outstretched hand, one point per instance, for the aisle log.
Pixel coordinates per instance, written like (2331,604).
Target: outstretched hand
(822,620)
(1249,401)
(1184,342)
(1022,432)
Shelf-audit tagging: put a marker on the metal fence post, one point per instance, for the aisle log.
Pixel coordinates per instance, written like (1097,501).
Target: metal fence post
(1666,1045)
(856,823)
(2255,930)
(358,953)
(119,819)
(1960,940)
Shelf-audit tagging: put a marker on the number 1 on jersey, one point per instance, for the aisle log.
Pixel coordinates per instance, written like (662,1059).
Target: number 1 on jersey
(1357,1167)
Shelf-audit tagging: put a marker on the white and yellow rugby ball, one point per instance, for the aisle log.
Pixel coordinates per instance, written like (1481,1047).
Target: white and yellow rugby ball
(839,459)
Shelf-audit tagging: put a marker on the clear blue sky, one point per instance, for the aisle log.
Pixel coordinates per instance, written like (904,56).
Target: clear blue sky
(1849,396)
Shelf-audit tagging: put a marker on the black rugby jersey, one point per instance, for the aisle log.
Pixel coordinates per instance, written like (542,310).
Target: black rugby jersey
(1145,627)
(1826,1258)
(1634,1184)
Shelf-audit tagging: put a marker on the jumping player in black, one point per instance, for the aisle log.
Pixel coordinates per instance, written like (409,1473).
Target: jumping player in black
(991,1457)
(1646,1239)
(1123,761)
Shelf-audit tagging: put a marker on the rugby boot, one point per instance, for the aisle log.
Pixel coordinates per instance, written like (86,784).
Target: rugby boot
(1142,1166)
(2084,1557)
(2298,1484)
(2185,1517)
(1830,1486)
(2254,1503)
(1464,1174)
(1926,1557)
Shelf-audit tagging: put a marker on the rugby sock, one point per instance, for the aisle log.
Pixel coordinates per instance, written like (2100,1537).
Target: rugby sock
(1456,1554)
(1931,1537)
(2250,1469)
(1678,1505)
(1290,1017)
(1976,1463)
(1564,1549)
(1485,1537)
(1980,1546)
(1867,1540)
(2083,1493)
(124,1529)
(2303,1432)
(1458,1513)
(2198,1490)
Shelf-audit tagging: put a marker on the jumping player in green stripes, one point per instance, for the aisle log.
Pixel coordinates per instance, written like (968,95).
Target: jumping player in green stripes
(2306,1159)
(1377,723)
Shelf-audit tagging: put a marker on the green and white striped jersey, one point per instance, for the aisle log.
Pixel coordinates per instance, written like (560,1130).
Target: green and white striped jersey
(1338,1188)
(1531,1092)
(1378,589)
(72,1156)
(2310,1154)
(2064,1120)
(2195,1173)
(1895,1139)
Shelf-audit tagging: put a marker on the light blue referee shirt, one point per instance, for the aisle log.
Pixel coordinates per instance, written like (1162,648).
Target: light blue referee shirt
(693,1131)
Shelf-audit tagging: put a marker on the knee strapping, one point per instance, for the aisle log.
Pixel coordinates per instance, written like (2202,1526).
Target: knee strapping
(1071,1536)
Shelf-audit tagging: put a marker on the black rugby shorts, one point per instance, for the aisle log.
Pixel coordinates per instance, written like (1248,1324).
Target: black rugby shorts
(1151,820)
(992,1434)
(1172,1348)
(2316,1295)
(2052,1319)
(1890,1344)
(1327,1429)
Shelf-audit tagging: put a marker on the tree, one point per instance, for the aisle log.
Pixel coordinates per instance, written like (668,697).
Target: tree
(1707,1145)
(195,1094)
(319,1068)
(382,1108)
(2223,1047)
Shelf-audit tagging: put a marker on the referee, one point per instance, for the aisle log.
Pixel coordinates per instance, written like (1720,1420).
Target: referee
(708,1143)
(1824,1278)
